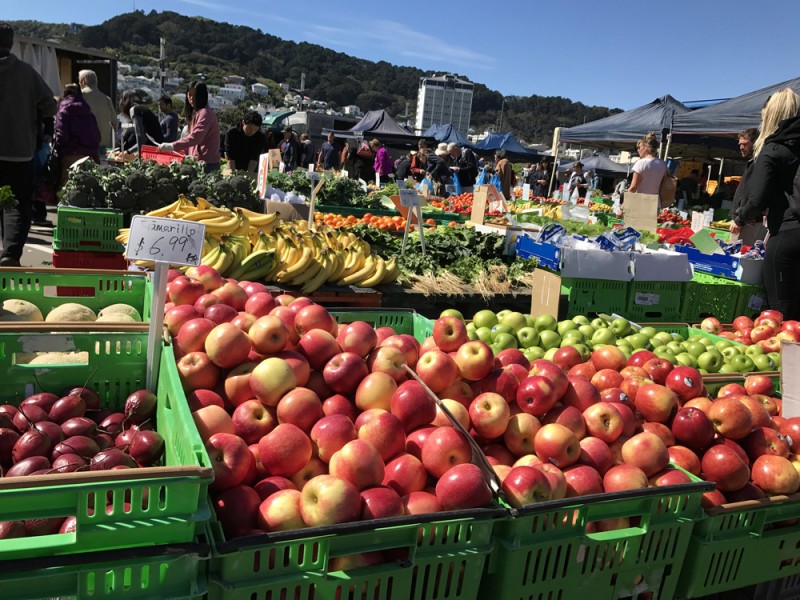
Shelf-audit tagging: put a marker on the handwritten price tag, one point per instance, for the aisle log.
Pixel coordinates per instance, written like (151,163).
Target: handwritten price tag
(165,240)
(409,198)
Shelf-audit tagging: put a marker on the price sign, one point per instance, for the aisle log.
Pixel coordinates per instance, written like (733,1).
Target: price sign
(526,191)
(409,198)
(170,241)
(165,242)
(312,175)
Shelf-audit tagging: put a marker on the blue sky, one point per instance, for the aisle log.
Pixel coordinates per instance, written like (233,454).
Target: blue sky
(617,53)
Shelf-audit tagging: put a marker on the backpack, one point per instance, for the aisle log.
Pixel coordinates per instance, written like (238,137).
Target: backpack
(666,191)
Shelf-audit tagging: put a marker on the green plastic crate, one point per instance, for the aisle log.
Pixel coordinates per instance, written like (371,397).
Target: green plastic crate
(87,230)
(442,558)
(176,572)
(709,296)
(592,296)
(751,301)
(654,301)
(545,552)
(734,547)
(165,504)
(402,321)
(49,288)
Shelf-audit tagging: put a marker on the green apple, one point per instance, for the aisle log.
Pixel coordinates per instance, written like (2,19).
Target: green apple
(472,335)
(648,331)
(762,362)
(694,348)
(550,353)
(686,360)
(485,318)
(722,344)
(776,359)
(574,335)
(658,343)
(515,320)
(582,348)
(587,331)
(754,350)
(710,361)
(471,327)
(581,320)
(504,340)
(484,334)
(664,352)
(528,336)
(728,368)
(676,347)
(565,326)
(663,337)
(677,337)
(533,353)
(530,321)
(732,351)
(501,329)
(742,363)
(599,323)
(549,339)
(620,326)
(604,336)
(452,312)
(638,340)
(546,322)
(625,347)
(707,342)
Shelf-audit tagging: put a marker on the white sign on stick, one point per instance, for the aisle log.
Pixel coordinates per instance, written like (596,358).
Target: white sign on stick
(165,242)
(409,198)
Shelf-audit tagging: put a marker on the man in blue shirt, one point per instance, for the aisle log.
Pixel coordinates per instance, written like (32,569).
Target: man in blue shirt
(169,119)
(330,153)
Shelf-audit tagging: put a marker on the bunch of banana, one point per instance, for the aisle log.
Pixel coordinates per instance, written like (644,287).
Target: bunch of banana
(721,224)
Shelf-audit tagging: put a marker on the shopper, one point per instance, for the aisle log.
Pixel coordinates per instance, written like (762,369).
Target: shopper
(308,154)
(329,155)
(504,169)
(245,143)
(290,150)
(438,172)
(577,181)
(144,129)
(419,161)
(463,163)
(771,187)
(24,103)
(383,162)
(753,230)
(202,141)
(649,170)
(102,108)
(169,120)
(76,133)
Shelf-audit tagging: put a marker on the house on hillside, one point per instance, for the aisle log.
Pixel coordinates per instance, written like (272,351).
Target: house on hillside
(260,89)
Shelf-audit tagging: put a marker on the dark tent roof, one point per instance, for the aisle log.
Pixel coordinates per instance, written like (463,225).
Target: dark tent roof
(732,116)
(506,141)
(603,165)
(622,130)
(378,124)
(445,133)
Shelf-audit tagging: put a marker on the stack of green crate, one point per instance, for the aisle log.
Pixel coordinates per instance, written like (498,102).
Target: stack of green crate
(401,320)
(655,301)
(87,230)
(709,296)
(593,296)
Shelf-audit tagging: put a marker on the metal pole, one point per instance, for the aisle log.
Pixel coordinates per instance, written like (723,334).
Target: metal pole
(502,109)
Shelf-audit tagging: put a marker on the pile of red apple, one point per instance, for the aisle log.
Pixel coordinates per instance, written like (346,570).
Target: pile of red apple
(49,435)
(767,330)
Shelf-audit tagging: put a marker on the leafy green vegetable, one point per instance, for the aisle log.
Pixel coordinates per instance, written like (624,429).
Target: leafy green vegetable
(7,199)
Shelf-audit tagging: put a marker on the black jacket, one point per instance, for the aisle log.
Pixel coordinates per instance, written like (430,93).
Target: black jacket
(771,181)
(742,190)
(467,165)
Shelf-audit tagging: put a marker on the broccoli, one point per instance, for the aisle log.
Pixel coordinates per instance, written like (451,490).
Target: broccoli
(224,191)
(137,181)
(148,201)
(196,189)
(242,185)
(122,200)
(167,191)
(77,198)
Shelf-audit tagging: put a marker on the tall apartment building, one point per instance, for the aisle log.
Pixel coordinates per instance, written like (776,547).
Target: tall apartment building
(444,99)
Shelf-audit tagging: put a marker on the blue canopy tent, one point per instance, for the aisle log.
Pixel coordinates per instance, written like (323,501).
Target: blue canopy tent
(378,124)
(602,165)
(505,141)
(447,134)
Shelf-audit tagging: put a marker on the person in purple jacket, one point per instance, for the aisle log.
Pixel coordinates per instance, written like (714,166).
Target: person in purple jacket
(383,162)
(76,132)
(202,142)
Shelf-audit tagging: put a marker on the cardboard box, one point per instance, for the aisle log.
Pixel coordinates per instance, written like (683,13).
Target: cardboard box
(289,211)
(749,271)
(583,261)
(661,265)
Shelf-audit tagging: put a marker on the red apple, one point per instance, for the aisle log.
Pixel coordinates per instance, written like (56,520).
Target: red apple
(359,463)
(444,448)
(299,365)
(449,333)
(583,480)
(525,485)
(603,421)
(405,474)
(237,510)
(381,503)
(421,503)
(271,380)
(686,382)
(344,372)
(742,322)
(580,393)
(339,405)
(693,428)
(658,369)
(765,441)
(183,290)
(596,454)
(196,371)
(520,433)
(177,316)
(280,511)
(259,304)
(385,433)
(463,487)
(212,419)
(711,325)
(200,398)
(284,450)
(536,395)
(723,466)
(300,407)
(192,336)
(606,379)
(646,451)
(624,477)
(568,416)
(437,369)
(585,370)
(328,500)
(318,347)
(640,357)
(358,337)
(232,295)
(252,421)
(268,334)
(416,440)
(511,356)
(551,371)
(314,316)
(330,433)
(227,346)
(412,405)
(558,445)
(474,360)
(759,384)
(489,414)
(608,357)
(656,403)
(567,357)
(230,459)
(684,458)
(730,418)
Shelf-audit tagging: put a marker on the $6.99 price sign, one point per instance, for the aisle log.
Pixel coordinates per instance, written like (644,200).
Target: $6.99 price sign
(165,240)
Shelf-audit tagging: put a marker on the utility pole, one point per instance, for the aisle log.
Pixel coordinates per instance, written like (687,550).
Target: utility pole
(502,109)
(162,54)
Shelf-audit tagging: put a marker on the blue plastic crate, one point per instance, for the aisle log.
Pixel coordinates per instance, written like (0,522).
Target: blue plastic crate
(548,255)
(713,264)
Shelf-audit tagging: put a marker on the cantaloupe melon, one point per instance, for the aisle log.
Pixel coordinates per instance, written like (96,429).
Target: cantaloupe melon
(51,358)
(115,318)
(117,309)
(20,310)
(70,312)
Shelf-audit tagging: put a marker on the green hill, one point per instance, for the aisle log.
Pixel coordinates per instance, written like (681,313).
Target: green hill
(198,45)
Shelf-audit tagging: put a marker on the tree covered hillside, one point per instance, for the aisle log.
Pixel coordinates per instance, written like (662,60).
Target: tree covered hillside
(198,45)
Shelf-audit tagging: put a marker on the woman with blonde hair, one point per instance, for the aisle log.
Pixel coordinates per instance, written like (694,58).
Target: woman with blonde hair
(771,185)
(649,170)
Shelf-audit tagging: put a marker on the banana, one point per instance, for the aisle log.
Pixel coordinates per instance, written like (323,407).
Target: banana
(337,271)
(226,262)
(201,215)
(310,272)
(392,271)
(258,219)
(376,277)
(365,272)
(321,277)
(358,262)
(244,226)
(221,224)
(301,264)
(255,265)
(165,210)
